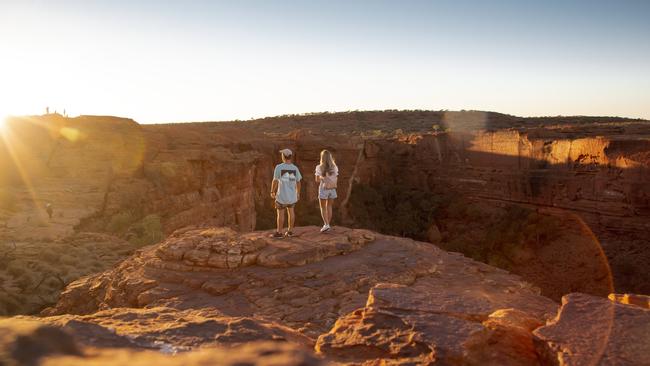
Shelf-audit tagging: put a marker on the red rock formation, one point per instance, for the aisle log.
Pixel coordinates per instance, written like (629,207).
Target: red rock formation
(631,299)
(600,180)
(32,341)
(591,330)
(429,322)
(414,302)
(94,169)
(66,162)
(355,296)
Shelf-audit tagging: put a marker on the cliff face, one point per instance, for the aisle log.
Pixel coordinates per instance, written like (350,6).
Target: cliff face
(596,183)
(595,175)
(68,163)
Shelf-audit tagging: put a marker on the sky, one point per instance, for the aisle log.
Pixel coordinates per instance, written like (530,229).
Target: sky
(175,61)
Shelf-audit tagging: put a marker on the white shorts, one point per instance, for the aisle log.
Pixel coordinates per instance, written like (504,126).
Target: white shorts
(326,193)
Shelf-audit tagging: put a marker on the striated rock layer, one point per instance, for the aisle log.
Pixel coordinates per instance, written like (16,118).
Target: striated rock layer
(107,174)
(307,281)
(359,296)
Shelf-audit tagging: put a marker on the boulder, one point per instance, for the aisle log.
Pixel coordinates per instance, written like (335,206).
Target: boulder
(590,330)
(433,234)
(435,320)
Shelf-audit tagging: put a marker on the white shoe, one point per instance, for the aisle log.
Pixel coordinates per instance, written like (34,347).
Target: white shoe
(324,228)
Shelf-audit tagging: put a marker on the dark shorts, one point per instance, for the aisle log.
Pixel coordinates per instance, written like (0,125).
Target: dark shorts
(282,206)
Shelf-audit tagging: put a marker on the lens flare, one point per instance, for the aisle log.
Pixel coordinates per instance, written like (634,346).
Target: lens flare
(4,120)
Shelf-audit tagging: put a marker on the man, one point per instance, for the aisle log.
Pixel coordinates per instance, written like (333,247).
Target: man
(49,210)
(285,190)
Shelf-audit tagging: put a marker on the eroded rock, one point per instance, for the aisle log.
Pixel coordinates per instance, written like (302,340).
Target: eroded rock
(590,330)
(366,298)
(435,319)
(160,327)
(122,337)
(26,342)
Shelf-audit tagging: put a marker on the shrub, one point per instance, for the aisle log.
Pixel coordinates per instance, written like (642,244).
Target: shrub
(68,259)
(16,270)
(120,222)
(457,209)
(50,255)
(26,281)
(168,169)
(147,231)
(473,212)
(152,227)
(498,260)
(393,210)
(161,174)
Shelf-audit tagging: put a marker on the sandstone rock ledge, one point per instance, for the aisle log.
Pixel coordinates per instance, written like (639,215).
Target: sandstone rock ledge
(353,296)
(591,330)
(25,341)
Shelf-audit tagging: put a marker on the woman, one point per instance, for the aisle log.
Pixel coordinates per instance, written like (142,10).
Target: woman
(326,175)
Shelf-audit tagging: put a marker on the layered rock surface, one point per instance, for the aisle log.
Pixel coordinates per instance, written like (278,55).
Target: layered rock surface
(307,281)
(420,303)
(590,330)
(343,297)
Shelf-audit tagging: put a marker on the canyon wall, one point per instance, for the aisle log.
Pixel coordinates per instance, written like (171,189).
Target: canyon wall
(67,163)
(111,175)
(598,183)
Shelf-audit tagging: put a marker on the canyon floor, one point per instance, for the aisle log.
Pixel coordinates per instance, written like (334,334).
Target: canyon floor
(465,238)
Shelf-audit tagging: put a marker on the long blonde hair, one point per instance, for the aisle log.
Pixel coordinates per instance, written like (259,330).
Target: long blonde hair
(327,163)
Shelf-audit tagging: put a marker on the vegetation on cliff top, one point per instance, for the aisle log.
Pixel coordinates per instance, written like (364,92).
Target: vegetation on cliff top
(33,274)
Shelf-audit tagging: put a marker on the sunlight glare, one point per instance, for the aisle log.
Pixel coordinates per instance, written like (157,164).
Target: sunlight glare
(4,119)
(71,134)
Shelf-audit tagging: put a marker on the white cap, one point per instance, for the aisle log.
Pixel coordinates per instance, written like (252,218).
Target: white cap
(286,152)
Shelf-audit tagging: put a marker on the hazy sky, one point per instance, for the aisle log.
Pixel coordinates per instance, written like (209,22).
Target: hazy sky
(163,61)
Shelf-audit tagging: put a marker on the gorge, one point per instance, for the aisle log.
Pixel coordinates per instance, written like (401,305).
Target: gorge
(562,202)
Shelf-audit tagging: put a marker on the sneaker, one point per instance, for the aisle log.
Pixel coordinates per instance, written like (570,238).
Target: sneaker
(288,234)
(277,234)
(324,228)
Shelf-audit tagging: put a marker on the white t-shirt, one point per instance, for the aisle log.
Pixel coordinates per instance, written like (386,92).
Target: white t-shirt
(319,172)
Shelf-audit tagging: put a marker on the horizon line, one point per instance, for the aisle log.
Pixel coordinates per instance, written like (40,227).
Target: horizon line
(307,114)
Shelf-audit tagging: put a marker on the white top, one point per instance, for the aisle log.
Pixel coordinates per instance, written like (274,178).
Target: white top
(319,171)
